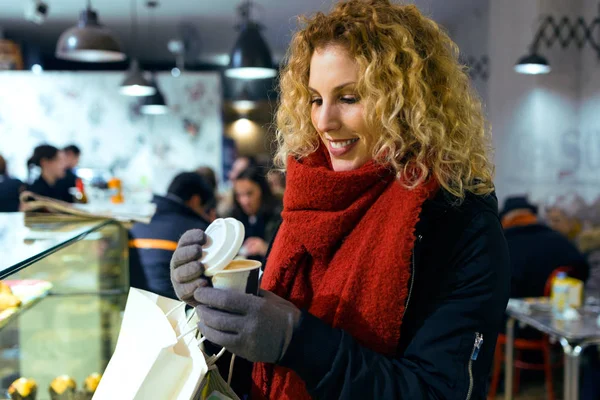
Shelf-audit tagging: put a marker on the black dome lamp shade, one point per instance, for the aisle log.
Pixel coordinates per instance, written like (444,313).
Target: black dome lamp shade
(89,41)
(155,104)
(135,83)
(532,64)
(250,57)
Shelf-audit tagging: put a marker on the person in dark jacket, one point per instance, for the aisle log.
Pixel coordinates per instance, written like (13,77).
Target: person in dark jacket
(50,162)
(71,154)
(10,189)
(535,249)
(257,208)
(189,204)
(389,275)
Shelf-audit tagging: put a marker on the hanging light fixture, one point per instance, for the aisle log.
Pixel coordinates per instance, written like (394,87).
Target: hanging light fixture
(250,57)
(135,83)
(532,64)
(155,104)
(89,41)
(244,102)
(564,31)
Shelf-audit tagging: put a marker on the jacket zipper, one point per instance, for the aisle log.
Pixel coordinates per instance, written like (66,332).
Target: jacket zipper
(412,274)
(474,355)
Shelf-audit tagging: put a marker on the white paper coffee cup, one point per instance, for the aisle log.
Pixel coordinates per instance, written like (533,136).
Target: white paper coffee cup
(235,275)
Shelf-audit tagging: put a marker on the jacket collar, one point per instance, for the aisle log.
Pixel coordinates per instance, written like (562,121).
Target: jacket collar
(173,204)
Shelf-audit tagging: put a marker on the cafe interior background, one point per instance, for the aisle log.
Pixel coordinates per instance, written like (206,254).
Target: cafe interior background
(546,127)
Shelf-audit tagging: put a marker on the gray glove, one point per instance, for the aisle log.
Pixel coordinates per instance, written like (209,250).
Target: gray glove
(186,268)
(257,328)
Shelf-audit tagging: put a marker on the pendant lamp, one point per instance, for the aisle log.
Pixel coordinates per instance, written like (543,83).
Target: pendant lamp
(135,83)
(251,57)
(155,104)
(89,41)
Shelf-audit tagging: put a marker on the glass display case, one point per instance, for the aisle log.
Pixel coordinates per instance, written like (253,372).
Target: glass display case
(71,281)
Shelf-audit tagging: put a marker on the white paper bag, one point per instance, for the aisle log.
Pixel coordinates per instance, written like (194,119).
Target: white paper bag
(149,361)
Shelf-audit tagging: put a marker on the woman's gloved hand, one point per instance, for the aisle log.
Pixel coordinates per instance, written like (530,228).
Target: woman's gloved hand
(257,328)
(186,269)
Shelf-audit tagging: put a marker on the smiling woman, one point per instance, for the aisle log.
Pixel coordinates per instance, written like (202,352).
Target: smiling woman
(388,277)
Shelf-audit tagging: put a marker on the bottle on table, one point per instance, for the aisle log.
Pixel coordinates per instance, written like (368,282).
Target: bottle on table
(560,294)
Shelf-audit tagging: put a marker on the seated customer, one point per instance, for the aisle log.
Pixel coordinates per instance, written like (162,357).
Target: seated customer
(10,189)
(535,249)
(188,205)
(71,154)
(52,167)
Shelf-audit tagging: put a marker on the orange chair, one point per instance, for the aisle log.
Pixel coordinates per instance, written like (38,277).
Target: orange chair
(542,345)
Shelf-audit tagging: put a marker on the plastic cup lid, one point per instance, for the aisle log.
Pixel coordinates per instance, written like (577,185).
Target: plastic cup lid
(224,240)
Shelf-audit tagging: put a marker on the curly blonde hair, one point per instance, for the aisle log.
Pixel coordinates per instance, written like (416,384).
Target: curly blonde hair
(416,93)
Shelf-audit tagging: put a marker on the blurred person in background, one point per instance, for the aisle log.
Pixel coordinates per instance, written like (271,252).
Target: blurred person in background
(535,249)
(72,154)
(10,189)
(189,204)
(259,211)
(210,177)
(52,169)
(276,179)
(240,164)
(589,244)
(226,203)
(562,215)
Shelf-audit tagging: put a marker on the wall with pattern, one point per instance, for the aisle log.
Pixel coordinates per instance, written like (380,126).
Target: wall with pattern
(60,108)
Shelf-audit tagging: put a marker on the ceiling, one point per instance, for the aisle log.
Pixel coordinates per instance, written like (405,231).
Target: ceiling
(210,23)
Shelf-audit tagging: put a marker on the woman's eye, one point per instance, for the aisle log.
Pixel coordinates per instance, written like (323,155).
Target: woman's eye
(349,99)
(316,101)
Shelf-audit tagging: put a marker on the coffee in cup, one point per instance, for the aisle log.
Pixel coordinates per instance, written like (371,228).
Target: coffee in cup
(235,275)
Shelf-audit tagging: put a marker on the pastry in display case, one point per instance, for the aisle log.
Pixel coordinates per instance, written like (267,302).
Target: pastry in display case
(63,288)
(7,298)
(63,388)
(91,383)
(23,389)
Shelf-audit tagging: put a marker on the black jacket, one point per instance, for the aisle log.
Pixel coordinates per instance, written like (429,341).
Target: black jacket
(459,290)
(536,251)
(149,268)
(10,189)
(41,187)
(64,185)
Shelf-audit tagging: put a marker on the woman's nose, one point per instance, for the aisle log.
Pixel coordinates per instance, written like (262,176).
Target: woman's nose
(328,118)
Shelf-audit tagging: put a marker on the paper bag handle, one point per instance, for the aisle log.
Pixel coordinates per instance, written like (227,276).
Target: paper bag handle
(212,360)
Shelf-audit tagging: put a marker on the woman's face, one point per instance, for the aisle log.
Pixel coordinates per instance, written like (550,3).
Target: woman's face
(337,113)
(248,195)
(559,221)
(54,167)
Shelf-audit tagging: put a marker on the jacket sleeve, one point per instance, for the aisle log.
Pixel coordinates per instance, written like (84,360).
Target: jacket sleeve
(436,363)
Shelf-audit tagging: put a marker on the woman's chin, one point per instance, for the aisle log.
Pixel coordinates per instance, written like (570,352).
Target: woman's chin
(346,165)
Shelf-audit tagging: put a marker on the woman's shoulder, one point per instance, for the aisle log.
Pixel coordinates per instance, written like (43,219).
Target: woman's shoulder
(450,215)
(444,203)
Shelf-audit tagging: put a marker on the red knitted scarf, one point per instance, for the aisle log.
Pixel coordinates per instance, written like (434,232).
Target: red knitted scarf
(343,252)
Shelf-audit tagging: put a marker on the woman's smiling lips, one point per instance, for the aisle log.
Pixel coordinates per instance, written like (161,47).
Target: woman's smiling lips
(338,148)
